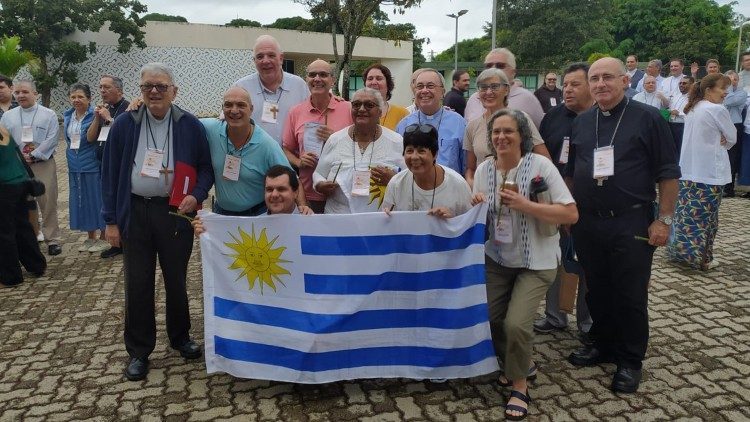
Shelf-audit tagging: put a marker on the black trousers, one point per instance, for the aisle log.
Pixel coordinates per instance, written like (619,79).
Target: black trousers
(617,268)
(153,233)
(18,245)
(677,130)
(735,157)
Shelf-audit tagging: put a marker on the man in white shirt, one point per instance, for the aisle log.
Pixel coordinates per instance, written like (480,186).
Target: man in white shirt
(35,129)
(670,86)
(653,68)
(745,72)
(272,91)
(677,111)
(635,74)
(650,94)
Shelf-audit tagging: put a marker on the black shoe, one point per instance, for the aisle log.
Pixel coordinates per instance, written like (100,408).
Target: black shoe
(588,356)
(189,350)
(626,380)
(54,250)
(543,326)
(585,339)
(745,195)
(137,369)
(109,253)
(727,195)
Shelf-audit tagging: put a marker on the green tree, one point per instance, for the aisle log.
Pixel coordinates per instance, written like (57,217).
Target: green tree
(12,58)
(349,18)
(548,34)
(161,17)
(471,50)
(301,24)
(45,26)
(239,23)
(689,29)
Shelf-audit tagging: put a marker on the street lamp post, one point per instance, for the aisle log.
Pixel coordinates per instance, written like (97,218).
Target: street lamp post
(455,52)
(739,42)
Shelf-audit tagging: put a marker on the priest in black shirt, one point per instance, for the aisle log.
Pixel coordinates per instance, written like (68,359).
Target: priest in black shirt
(556,129)
(618,151)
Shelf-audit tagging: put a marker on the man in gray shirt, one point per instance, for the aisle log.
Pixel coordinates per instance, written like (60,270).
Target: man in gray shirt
(35,129)
(272,91)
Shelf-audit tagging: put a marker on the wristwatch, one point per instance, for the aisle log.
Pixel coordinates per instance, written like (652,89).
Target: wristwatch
(666,219)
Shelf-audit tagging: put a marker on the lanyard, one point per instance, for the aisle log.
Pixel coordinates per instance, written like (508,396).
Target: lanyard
(440,120)
(362,154)
(263,90)
(242,148)
(32,117)
(611,141)
(165,145)
(434,188)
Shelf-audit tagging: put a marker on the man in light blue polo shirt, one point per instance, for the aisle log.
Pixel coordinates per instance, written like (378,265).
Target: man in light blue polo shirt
(241,153)
(428,97)
(273,91)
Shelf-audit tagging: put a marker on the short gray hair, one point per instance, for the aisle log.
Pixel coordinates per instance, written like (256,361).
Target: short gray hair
(656,62)
(509,54)
(116,81)
(159,68)
(270,39)
(29,82)
(374,92)
(492,73)
(524,129)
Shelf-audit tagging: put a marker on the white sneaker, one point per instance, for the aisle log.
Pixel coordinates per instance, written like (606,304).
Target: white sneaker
(40,237)
(86,245)
(99,246)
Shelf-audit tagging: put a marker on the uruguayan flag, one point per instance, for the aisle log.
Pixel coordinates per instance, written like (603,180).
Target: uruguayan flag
(314,299)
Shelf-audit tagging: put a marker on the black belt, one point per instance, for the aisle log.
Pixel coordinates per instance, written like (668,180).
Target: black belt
(150,199)
(612,213)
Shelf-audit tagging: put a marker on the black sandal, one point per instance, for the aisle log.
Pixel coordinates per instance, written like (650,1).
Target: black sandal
(516,408)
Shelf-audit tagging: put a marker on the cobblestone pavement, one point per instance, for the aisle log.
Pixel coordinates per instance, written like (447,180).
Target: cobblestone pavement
(62,355)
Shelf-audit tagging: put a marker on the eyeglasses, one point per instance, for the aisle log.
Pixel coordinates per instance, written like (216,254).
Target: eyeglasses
(369,105)
(552,79)
(496,65)
(429,86)
(322,75)
(414,127)
(159,87)
(490,87)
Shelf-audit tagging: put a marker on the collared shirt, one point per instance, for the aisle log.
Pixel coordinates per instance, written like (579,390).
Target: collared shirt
(735,102)
(678,103)
(659,81)
(256,157)
(455,100)
(337,116)
(649,98)
(745,80)
(644,153)
(703,159)
(159,135)
(292,91)
(44,128)
(556,126)
(518,98)
(451,127)
(670,86)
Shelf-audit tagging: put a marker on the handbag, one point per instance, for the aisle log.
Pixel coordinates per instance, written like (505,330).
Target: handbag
(34,186)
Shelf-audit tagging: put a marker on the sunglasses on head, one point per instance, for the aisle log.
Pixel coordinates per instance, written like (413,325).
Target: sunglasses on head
(414,127)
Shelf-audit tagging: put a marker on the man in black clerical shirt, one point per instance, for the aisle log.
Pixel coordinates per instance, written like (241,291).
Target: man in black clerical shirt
(619,151)
(556,129)
(110,88)
(455,97)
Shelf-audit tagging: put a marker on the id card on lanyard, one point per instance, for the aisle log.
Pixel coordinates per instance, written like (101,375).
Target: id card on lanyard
(152,163)
(232,165)
(604,162)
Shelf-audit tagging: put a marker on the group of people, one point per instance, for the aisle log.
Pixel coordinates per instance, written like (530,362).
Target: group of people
(578,163)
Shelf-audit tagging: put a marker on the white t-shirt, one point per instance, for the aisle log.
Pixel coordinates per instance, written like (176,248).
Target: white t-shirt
(529,249)
(453,193)
(703,159)
(341,154)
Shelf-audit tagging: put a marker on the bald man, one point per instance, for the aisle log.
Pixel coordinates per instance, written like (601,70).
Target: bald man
(273,91)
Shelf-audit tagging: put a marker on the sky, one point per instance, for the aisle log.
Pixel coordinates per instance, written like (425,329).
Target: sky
(430,18)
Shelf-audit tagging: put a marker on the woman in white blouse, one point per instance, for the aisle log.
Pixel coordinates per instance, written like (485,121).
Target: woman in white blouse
(521,256)
(704,162)
(358,161)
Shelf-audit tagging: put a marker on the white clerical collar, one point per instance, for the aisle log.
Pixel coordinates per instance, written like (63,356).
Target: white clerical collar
(30,109)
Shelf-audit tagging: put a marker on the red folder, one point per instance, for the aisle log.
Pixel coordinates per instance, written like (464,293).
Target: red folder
(185,177)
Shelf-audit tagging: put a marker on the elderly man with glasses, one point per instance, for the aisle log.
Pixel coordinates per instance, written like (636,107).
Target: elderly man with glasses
(156,161)
(518,98)
(428,97)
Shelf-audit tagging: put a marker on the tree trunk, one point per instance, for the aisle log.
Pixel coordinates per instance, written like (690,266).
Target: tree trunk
(43,87)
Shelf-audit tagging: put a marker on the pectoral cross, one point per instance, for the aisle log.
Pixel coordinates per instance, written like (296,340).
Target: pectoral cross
(274,110)
(600,180)
(165,171)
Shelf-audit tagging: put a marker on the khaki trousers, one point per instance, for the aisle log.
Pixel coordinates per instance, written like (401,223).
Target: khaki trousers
(46,171)
(513,296)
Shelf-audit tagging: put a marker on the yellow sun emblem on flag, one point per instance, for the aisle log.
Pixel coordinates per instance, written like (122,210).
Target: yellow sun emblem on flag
(376,192)
(257,259)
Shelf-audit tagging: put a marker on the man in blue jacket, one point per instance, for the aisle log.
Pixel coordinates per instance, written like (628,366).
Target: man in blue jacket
(156,160)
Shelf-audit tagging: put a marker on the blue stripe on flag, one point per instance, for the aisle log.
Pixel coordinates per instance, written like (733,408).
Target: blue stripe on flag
(353,284)
(448,319)
(352,358)
(388,244)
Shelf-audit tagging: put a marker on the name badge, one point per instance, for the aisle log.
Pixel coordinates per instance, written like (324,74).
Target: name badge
(553,101)
(103,133)
(27,134)
(310,138)
(361,183)
(75,141)
(604,162)
(232,167)
(504,228)
(564,151)
(152,163)
(270,112)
